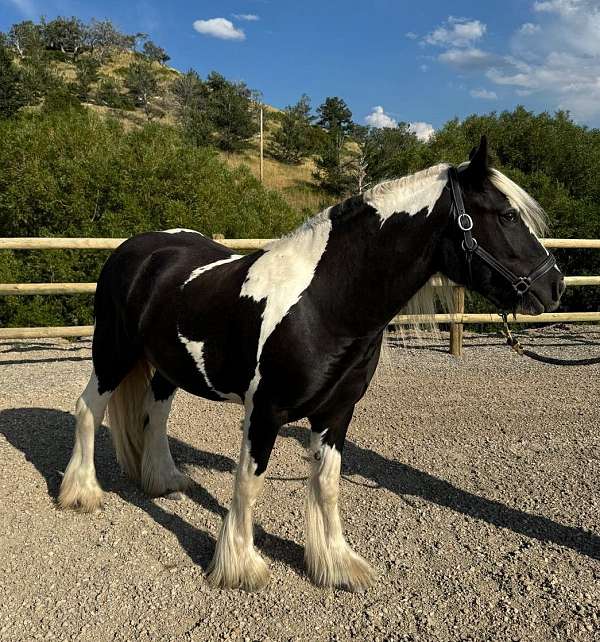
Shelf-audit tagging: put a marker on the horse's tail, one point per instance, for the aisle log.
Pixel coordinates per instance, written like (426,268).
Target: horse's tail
(126,418)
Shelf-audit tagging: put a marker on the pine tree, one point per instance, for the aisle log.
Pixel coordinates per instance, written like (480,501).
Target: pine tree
(333,167)
(294,141)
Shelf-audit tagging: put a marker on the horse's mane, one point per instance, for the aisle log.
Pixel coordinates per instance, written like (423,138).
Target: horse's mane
(411,194)
(429,299)
(531,211)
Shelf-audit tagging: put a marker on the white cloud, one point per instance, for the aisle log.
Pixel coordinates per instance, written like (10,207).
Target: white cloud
(219,28)
(484,94)
(456,32)
(411,35)
(423,131)
(560,61)
(470,59)
(529,29)
(557,58)
(378,118)
(562,7)
(424,68)
(248,17)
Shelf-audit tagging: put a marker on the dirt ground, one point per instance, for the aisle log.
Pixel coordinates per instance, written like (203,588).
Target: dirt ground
(472,485)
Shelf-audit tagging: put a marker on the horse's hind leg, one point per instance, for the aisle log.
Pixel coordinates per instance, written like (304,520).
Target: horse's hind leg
(159,475)
(79,487)
(329,558)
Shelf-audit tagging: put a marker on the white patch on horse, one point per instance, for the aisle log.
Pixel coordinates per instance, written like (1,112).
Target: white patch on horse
(236,563)
(281,275)
(329,558)
(196,351)
(410,194)
(79,487)
(176,230)
(205,268)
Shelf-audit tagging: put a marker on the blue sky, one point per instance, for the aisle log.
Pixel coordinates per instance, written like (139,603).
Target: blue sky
(422,62)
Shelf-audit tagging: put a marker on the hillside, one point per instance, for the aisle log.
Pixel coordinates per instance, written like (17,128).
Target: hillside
(294,182)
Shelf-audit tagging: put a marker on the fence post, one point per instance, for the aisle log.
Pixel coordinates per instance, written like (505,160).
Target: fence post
(456,329)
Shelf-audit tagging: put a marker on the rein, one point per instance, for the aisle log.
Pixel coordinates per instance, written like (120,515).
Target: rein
(521,284)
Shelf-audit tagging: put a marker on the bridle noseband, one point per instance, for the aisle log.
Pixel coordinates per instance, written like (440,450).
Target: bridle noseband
(521,284)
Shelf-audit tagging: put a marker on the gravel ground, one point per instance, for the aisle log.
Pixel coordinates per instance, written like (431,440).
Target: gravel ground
(472,485)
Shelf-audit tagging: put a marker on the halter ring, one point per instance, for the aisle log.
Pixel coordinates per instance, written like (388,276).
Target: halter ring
(465,222)
(522,285)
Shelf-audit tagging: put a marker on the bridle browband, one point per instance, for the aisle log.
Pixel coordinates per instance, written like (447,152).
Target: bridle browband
(521,284)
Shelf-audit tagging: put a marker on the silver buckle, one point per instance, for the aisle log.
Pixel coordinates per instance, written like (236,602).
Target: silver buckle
(465,222)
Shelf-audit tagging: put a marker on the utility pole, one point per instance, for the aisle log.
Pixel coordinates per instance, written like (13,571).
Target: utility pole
(262,169)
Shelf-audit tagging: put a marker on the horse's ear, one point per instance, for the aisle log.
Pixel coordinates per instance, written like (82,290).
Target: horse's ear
(479,165)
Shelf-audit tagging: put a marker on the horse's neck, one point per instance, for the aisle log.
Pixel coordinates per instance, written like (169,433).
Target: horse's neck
(368,270)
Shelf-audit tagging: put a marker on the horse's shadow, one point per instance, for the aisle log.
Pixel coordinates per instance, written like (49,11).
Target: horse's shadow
(404,480)
(45,437)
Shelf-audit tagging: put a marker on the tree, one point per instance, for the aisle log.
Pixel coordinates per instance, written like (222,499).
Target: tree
(102,37)
(68,35)
(154,53)
(333,169)
(294,141)
(142,82)
(189,92)
(108,94)
(192,100)
(87,73)
(378,154)
(11,96)
(334,114)
(231,112)
(25,38)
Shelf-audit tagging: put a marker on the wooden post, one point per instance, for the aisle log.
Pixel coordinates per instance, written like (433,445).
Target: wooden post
(456,329)
(262,167)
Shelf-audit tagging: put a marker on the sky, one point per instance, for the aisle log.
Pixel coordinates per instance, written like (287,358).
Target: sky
(421,62)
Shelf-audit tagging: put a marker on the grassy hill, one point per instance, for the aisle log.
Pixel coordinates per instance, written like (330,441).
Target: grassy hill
(294,182)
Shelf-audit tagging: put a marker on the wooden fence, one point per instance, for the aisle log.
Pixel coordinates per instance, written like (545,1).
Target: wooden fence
(456,320)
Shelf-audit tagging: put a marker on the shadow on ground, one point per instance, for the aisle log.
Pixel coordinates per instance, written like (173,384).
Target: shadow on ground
(45,437)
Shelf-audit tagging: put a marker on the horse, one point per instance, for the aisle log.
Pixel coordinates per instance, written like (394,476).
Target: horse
(291,331)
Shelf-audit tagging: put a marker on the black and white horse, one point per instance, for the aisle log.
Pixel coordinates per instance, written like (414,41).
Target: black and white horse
(291,331)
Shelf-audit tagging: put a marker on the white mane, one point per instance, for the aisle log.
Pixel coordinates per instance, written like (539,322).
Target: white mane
(410,194)
(531,211)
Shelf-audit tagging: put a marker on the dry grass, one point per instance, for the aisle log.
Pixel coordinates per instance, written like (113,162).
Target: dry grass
(294,182)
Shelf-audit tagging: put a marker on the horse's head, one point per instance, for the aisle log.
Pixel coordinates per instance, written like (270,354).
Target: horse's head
(501,257)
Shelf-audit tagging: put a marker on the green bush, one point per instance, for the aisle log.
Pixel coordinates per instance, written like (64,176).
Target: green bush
(71,173)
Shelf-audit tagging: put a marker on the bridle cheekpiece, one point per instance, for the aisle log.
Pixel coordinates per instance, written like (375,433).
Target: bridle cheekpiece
(521,284)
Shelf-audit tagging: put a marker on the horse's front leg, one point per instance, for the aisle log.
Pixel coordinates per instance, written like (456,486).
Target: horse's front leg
(236,563)
(329,559)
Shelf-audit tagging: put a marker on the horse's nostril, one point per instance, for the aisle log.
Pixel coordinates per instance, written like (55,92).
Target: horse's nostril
(558,287)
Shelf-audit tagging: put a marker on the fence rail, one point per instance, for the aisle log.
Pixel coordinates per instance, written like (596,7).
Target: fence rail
(456,320)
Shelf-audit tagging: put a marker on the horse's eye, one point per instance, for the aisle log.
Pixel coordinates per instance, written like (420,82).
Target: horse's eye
(510,215)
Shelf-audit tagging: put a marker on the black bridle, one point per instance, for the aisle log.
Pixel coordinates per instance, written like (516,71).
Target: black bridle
(521,284)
